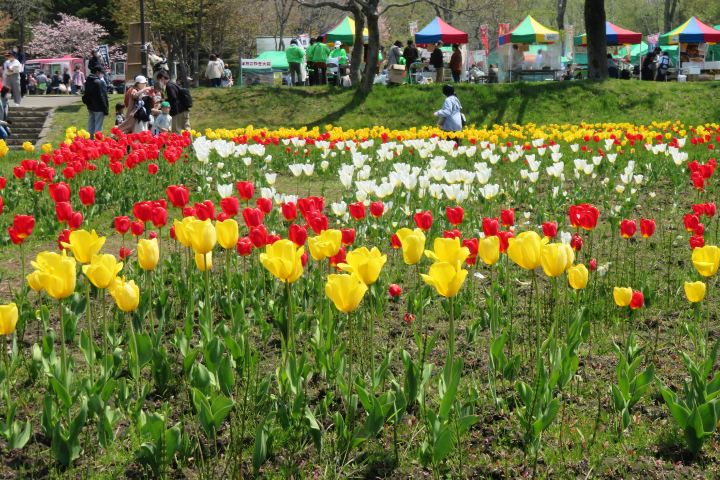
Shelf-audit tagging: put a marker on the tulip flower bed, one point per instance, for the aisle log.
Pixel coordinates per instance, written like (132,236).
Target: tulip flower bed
(535,301)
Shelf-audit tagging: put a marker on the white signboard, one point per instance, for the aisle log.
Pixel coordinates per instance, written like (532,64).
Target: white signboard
(253,63)
(104,55)
(552,37)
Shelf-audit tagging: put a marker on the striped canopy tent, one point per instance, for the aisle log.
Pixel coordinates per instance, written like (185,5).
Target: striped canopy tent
(438,30)
(530,31)
(615,36)
(344,32)
(692,31)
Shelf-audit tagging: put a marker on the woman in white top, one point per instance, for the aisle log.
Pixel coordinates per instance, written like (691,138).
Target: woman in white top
(214,71)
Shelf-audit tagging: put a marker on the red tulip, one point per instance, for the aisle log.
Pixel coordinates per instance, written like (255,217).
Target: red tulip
(159,217)
(205,210)
(23,225)
(137,228)
(59,192)
(309,205)
(143,211)
(454,233)
(87,196)
(253,217)
(691,222)
(490,227)
(258,236)
(507,217)
(39,186)
(550,229)
(69,173)
(694,166)
(272,239)
(710,209)
(699,230)
(152,235)
(122,225)
(593,265)
(697,242)
(265,205)
(348,236)
(472,244)
(19,172)
(455,215)
(116,167)
(124,253)
(698,210)
(63,210)
(289,211)
(221,217)
(707,171)
(75,221)
(377,209)
(628,228)
(647,227)
(173,235)
(637,300)
(394,290)
(318,222)
(230,205)
(29,165)
(505,240)
(179,195)
(3,182)
(244,247)
(395,241)
(357,210)
(576,243)
(188,212)
(298,235)
(424,220)
(698,181)
(304,258)
(152,168)
(246,190)
(63,238)
(339,258)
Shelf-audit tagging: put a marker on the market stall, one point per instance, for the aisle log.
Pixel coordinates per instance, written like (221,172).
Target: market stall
(614,36)
(269,68)
(344,32)
(434,32)
(694,39)
(514,44)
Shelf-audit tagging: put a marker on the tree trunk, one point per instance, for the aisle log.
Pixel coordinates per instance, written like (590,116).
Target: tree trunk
(357,53)
(196,48)
(597,42)
(561,6)
(371,64)
(669,14)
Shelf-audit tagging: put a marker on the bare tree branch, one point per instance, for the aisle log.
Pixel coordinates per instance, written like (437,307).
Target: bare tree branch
(334,5)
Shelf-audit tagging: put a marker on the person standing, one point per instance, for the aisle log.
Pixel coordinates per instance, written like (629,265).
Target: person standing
(456,63)
(20,55)
(395,54)
(663,64)
(214,71)
(321,53)
(410,53)
(66,80)
(436,60)
(42,82)
(96,100)
(54,87)
(647,71)
(308,59)
(78,81)
(133,98)
(341,55)
(11,76)
(31,84)
(295,56)
(5,96)
(177,98)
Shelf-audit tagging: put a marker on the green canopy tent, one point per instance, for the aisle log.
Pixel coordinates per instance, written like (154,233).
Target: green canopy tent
(344,32)
(263,75)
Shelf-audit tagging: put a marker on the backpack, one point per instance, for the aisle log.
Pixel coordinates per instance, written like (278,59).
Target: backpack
(183,95)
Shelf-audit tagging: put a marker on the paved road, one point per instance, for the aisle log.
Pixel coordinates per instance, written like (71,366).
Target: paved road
(48,100)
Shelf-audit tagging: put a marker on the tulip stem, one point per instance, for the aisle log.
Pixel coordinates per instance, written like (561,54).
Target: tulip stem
(320,295)
(290,319)
(373,312)
(90,334)
(537,314)
(63,354)
(707,315)
(350,363)
(229,297)
(137,361)
(420,315)
(149,287)
(451,334)
(207,298)
(104,324)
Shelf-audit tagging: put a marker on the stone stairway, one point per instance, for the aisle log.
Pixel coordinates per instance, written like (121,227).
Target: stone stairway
(27,123)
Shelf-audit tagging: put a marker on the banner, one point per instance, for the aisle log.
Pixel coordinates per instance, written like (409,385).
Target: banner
(483,36)
(104,55)
(254,63)
(304,40)
(413,30)
(503,29)
(653,41)
(569,42)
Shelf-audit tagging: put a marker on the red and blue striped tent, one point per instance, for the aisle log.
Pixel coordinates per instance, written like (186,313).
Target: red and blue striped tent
(615,36)
(438,30)
(692,31)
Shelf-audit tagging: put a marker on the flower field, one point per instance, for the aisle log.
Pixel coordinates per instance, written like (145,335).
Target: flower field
(520,301)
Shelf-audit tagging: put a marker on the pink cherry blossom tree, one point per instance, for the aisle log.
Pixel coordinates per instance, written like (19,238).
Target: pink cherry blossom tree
(70,36)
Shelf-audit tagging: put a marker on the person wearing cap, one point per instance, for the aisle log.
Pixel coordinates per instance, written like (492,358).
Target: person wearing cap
(163,121)
(341,55)
(96,100)
(132,99)
(295,56)
(11,76)
(321,53)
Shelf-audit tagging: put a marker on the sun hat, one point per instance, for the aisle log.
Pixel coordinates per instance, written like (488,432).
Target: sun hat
(338,44)
(140,79)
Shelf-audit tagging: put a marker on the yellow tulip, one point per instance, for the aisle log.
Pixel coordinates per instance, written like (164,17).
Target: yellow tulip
(102,270)
(56,273)
(446,278)
(578,276)
(29,147)
(34,281)
(47,147)
(283,260)
(623,296)
(327,244)
(148,254)
(203,261)
(365,264)
(526,250)
(695,292)
(84,245)
(448,250)
(489,250)
(706,260)
(227,233)
(181,231)
(126,294)
(556,258)
(8,319)
(413,244)
(346,291)
(202,235)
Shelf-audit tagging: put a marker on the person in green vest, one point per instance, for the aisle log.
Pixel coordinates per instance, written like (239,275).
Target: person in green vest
(321,53)
(341,55)
(310,64)
(295,55)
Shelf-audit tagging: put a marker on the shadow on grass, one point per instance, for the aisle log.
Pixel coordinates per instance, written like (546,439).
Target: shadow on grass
(74,108)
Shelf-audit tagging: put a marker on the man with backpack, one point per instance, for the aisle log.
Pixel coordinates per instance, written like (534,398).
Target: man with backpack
(180,102)
(96,100)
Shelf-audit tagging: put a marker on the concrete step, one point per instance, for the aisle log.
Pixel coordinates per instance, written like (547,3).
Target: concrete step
(24,130)
(16,143)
